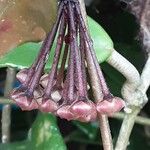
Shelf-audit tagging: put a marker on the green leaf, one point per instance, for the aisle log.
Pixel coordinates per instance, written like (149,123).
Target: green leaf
(44,135)
(21,57)
(25,20)
(103,44)
(24,55)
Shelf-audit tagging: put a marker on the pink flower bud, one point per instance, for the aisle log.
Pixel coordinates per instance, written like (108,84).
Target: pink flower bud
(109,107)
(44,80)
(48,105)
(85,111)
(64,113)
(23,101)
(21,75)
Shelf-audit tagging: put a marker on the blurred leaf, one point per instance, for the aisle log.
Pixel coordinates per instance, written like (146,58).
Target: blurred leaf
(20,57)
(44,135)
(24,20)
(89,129)
(24,55)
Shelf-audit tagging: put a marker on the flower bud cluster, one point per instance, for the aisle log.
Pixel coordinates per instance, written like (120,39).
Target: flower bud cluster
(64,92)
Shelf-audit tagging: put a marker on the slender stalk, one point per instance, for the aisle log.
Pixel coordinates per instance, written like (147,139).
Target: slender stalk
(104,125)
(46,50)
(134,93)
(129,71)
(70,76)
(82,51)
(6,110)
(130,119)
(126,129)
(56,58)
(68,91)
(6,101)
(78,69)
(145,79)
(43,51)
(60,76)
(139,119)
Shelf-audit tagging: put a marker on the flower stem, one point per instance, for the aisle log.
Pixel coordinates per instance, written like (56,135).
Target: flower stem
(77,58)
(82,51)
(60,76)
(58,49)
(126,129)
(43,55)
(104,125)
(105,90)
(44,49)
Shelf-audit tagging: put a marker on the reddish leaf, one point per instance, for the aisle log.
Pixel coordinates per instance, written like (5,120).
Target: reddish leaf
(24,20)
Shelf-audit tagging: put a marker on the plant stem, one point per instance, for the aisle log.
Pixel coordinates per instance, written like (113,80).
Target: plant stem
(133,81)
(6,111)
(126,129)
(145,79)
(58,49)
(77,59)
(134,94)
(139,119)
(128,70)
(47,43)
(104,125)
(60,75)
(82,51)
(6,101)
(71,66)
(46,48)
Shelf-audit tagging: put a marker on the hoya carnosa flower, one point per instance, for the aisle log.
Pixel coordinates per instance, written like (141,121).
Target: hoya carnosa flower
(64,91)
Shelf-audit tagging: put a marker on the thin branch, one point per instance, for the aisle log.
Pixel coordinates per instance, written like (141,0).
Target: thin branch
(139,119)
(145,76)
(132,91)
(103,119)
(130,94)
(128,71)
(126,129)
(4,100)
(6,111)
